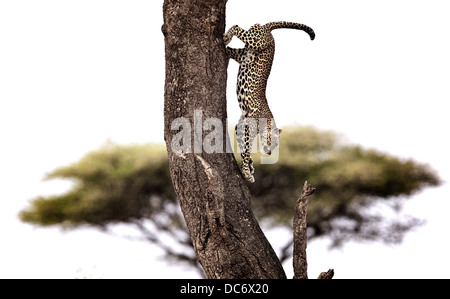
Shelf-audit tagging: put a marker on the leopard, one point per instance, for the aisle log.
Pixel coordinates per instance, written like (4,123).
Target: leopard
(255,63)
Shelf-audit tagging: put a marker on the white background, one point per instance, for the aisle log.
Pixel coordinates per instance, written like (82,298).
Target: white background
(75,74)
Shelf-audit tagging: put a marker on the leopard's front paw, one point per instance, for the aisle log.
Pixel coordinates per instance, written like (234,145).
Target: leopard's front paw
(248,170)
(248,176)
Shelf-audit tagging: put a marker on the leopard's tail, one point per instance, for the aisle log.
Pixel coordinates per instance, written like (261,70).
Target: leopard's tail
(290,25)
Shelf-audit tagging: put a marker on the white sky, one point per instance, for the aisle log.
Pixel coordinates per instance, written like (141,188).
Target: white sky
(74,74)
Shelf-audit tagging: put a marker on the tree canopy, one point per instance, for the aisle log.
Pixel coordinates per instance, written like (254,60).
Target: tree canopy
(131,184)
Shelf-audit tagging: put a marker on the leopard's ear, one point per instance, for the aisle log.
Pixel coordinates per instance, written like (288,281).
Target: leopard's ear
(279,131)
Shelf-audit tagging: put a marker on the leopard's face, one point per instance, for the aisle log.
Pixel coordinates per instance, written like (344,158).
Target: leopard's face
(270,138)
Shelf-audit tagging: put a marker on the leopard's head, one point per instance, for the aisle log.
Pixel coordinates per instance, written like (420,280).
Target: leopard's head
(270,136)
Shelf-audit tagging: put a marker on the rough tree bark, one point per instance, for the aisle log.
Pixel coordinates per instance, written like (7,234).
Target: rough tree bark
(300,237)
(214,199)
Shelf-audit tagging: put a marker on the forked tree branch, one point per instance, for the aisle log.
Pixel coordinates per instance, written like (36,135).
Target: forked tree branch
(300,236)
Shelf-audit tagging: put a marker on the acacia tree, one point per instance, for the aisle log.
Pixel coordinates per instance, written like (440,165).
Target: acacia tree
(131,184)
(214,199)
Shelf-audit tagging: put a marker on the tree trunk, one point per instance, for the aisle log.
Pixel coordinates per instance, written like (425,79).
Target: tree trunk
(214,199)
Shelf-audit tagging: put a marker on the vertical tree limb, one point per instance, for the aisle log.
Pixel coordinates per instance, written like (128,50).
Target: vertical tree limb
(300,236)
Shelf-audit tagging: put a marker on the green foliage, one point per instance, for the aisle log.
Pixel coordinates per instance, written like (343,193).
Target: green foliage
(132,184)
(113,184)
